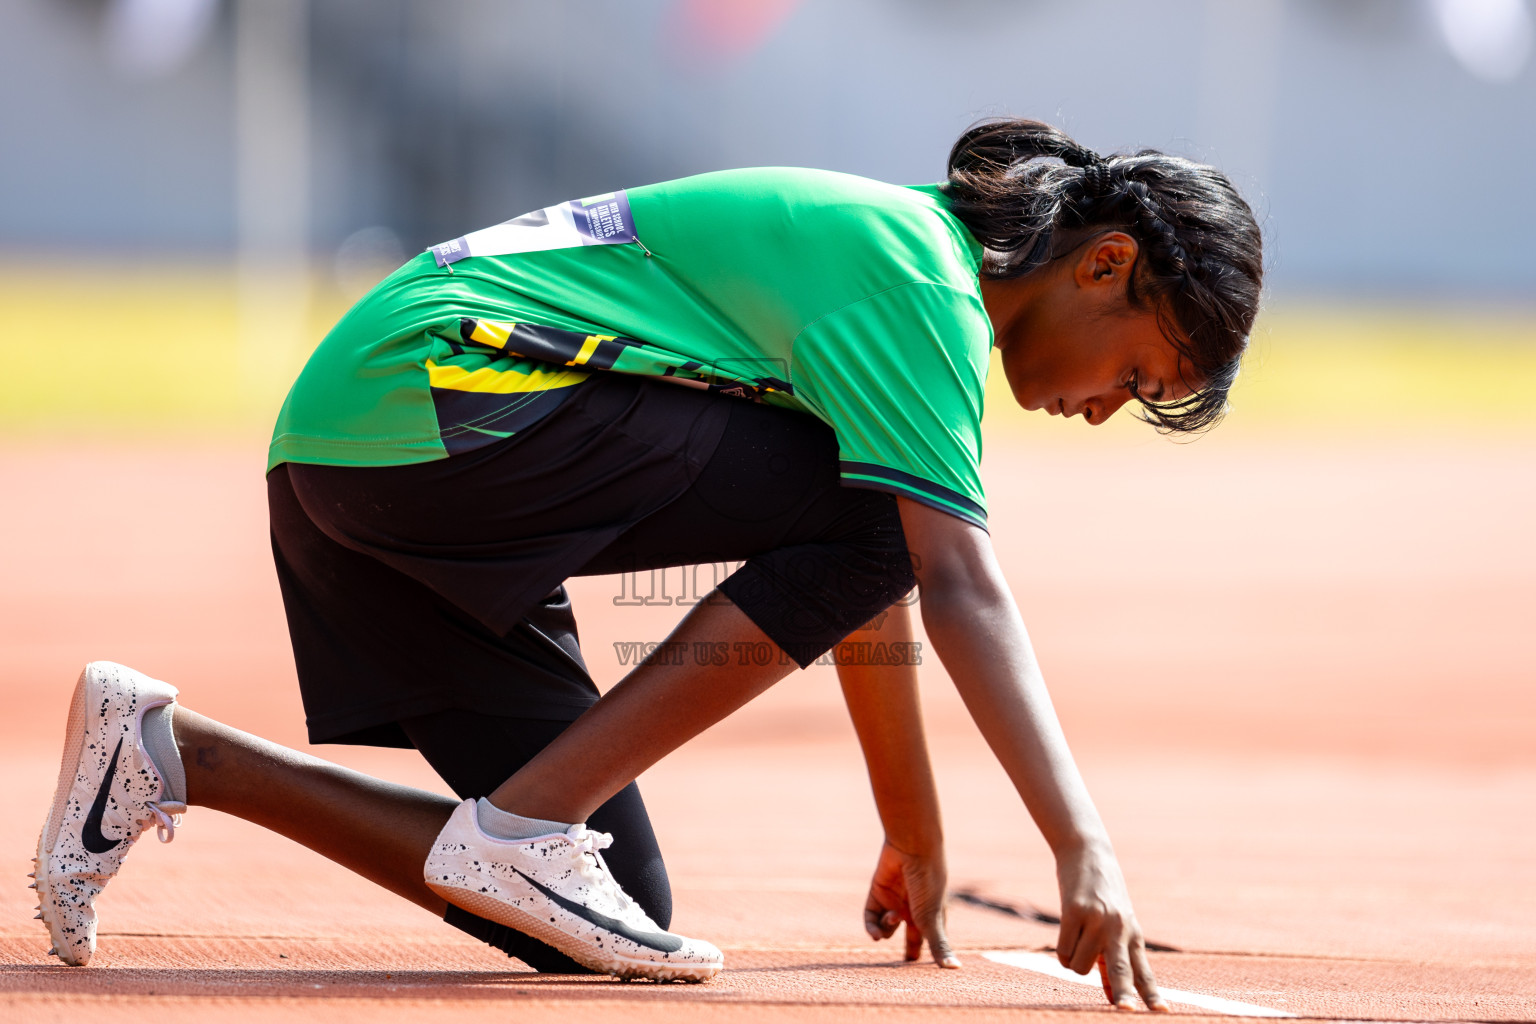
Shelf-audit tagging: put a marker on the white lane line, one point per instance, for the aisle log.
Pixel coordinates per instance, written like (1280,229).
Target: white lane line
(1044,963)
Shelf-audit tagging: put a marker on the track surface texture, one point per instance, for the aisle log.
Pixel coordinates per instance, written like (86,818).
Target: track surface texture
(1296,670)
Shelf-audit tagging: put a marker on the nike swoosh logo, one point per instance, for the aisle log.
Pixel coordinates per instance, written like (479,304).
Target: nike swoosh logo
(91,835)
(659,941)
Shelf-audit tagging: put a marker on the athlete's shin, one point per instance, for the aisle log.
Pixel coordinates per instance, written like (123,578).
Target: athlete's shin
(378,829)
(662,704)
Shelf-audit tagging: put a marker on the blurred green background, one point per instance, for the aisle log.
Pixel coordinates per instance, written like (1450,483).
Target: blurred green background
(195,189)
(97,350)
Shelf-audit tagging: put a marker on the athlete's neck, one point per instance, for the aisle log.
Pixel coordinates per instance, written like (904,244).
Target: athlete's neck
(1009,300)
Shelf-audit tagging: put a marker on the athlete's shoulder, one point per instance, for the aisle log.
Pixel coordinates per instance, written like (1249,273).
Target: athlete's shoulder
(795,188)
(833,207)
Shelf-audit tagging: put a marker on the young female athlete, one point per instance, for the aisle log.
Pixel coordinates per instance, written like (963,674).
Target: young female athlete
(779,366)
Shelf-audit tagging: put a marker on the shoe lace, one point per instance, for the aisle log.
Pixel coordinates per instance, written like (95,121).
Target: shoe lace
(167,815)
(591,866)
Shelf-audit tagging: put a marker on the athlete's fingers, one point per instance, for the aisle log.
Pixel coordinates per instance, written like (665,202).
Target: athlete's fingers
(1145,983)
(879,921)
(883,909)
(914,941)
(1090,944)
(881,924)
(886,906)
(938,939)
(1067,937)
(927,887)
(1115,971)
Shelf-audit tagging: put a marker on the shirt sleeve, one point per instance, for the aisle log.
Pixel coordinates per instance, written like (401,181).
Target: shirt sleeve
(900,378)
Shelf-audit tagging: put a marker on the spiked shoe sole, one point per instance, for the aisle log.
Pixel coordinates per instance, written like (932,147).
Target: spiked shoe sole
(582,952)
(74,742)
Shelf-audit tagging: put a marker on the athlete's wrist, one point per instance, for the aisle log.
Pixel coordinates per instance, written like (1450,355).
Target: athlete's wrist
(1080,843)
(924,840)
(910,817)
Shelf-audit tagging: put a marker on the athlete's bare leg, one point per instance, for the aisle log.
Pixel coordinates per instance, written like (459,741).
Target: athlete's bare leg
(378,829)
(384,831)
(654,710)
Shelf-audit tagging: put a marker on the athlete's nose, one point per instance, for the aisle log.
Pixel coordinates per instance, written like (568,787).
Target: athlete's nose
(1097,410)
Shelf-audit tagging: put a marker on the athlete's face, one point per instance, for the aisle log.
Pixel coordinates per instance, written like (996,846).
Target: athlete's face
(1070,341)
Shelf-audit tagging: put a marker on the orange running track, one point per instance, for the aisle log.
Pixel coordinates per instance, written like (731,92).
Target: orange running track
(1298,675)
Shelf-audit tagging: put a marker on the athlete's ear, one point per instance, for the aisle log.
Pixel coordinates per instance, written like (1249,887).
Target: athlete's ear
(1106,261)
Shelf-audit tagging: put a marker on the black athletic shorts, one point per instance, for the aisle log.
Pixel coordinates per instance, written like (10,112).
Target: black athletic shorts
(416,589)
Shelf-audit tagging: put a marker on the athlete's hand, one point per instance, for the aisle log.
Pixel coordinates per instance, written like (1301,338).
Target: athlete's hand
(1098,927)
(909,888)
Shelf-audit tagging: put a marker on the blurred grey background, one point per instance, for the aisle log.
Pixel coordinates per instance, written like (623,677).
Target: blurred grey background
(1387,145)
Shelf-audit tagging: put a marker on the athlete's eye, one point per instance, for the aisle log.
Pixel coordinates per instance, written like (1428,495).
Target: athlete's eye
(1134,384)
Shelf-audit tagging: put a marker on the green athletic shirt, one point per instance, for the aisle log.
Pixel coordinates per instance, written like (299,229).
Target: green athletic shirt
(852,300)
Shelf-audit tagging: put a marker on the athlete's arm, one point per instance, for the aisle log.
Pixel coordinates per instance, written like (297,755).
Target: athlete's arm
(910,876)
(976,630)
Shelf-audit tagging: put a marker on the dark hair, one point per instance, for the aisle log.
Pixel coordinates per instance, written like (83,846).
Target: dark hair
(1201,260)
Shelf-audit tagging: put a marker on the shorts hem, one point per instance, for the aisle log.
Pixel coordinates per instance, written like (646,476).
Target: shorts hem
(377,725)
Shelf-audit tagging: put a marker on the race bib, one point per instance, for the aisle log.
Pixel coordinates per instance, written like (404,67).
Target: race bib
(598,220)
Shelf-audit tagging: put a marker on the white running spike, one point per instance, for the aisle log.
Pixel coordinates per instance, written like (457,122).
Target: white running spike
(99,809)
(557,888)
(37,916)
(32,886)
(53,951)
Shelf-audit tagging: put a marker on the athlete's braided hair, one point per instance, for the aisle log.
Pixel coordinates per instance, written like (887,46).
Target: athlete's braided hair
(1201,260)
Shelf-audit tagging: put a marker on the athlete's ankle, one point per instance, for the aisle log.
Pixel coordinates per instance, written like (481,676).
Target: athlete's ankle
(500,824)
(200,752)
(160,746)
